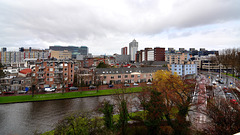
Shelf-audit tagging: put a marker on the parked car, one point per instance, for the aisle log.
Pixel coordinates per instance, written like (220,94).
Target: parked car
(126,85)
(48,89)
(110,86)
(22,92)
(92,87)
(214,82)
(73,88)
(149,83)
(135,84)
(233,101)
(8,92)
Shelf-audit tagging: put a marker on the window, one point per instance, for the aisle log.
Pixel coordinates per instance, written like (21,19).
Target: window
(65,69)
(104,77)
(47,74)
(65,78)
(116,71)
(51,74)
(65,74)
(119,76)
(112,77)
(132,76)
(50,79)
(138,76)
(126,76)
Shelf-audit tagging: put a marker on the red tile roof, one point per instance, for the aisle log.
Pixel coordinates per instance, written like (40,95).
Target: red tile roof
(26,71)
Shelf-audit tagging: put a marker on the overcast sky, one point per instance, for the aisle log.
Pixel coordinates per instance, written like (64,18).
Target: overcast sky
(105,26)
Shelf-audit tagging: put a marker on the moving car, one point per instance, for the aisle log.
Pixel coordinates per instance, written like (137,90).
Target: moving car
(221,81)
(92,87)
(73,88)
(48,89)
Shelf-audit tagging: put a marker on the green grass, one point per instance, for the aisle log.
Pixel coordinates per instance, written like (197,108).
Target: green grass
(231,75)
(54,96)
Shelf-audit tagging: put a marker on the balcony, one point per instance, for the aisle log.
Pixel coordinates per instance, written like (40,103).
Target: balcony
(42,82)
(58,67)
(42,67)
(57,76)
(38,62)
(41,77)
(58,72)
(41,72)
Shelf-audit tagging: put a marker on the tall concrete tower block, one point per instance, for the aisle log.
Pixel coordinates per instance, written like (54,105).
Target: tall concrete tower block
(133,48)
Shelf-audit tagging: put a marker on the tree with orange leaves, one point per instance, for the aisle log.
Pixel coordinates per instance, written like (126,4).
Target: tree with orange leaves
(176,95)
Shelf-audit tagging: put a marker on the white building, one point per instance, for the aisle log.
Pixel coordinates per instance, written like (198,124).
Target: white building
(133,48)
(150,55)
(184,69)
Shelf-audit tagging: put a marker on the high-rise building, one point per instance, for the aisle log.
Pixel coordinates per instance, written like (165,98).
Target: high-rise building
(133,48)
(83,50)
(124,51)
(159,54)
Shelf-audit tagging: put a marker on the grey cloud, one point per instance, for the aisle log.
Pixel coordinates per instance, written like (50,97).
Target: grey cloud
(75,21)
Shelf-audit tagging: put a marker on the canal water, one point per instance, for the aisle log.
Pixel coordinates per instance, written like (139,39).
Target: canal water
(27,118)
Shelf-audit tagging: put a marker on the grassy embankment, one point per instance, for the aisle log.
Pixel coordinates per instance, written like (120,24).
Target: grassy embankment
(232,75)
(54,96)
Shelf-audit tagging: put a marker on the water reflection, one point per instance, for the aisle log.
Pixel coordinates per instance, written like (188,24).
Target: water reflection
(26,118)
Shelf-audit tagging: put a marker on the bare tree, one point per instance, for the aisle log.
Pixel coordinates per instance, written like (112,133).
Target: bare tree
(224,117)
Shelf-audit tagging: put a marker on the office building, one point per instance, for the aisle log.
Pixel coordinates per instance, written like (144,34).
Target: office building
(133,48)
(159,54)
(61,55)
(124,51)
(83,50)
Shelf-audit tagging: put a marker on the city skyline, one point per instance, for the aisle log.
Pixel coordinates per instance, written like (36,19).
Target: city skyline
(107,26)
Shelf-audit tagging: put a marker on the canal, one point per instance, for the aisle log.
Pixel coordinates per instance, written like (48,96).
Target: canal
(26,118)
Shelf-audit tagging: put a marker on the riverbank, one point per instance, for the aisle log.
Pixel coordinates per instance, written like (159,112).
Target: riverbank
(59,96)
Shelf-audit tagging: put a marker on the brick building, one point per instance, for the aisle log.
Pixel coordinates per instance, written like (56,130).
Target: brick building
(52,73)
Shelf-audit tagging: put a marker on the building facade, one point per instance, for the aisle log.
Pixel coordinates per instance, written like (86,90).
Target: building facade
(53,73)
(176,58)
(159,54)
(17,58)
(127,75)
(184,69)
(124,51)
(61,55)
(83,50)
